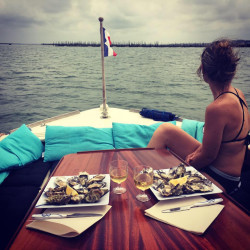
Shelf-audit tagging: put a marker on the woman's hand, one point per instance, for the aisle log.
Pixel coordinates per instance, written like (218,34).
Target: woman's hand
(190,158)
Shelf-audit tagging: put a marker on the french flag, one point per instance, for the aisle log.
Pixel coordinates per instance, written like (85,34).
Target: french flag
(108,51)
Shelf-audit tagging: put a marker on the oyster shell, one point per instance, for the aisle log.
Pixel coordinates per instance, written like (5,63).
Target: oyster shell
(163,175)
(177,190)
(94,195)
(77,199)
(96,178)
(58,199)
(97,185)
(84,175)
(83,178)
(61,182)
(72,181)
(158,183)
(166,190)
(55,191)
(180,170)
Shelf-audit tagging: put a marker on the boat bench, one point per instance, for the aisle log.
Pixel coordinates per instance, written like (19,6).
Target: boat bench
(17,192)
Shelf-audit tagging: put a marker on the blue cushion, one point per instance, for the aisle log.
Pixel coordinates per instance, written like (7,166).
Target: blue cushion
(194,128)
(19,148)
(133,135)
(60,141)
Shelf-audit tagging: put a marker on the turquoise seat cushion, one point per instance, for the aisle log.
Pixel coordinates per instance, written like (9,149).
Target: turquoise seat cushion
(60,140)
(133,135)
(19,148)
(194,128)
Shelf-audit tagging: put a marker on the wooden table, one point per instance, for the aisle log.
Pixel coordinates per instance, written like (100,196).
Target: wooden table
(125,226)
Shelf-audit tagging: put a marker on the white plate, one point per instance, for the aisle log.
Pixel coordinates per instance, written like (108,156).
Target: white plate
(216,190)
(51,184)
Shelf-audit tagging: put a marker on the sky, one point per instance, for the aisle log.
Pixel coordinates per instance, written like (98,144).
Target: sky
(147,21)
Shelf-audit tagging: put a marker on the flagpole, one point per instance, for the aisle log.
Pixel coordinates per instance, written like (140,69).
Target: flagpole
(104,111)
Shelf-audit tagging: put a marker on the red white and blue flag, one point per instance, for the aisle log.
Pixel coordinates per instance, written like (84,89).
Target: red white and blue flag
(108,51)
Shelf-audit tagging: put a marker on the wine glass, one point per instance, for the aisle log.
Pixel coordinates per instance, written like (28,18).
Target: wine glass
(143,178)
(118,170)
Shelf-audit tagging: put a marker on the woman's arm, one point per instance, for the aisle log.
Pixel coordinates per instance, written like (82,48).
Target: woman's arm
(213,132)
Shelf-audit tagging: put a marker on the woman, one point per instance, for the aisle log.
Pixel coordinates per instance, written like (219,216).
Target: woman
(227,122)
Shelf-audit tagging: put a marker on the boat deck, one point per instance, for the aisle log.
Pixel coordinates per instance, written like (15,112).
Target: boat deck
(93,118)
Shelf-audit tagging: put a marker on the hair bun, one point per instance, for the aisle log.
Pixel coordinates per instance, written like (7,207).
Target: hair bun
(219,62)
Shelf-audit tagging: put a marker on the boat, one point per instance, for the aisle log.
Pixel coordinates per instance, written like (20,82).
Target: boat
(92,118)
(20,189)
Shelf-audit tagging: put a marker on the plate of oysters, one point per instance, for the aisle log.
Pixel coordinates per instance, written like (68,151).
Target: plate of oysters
(181,182)
(76,191)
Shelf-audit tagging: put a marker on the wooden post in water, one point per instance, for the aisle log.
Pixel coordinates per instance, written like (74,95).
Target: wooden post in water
(104,105)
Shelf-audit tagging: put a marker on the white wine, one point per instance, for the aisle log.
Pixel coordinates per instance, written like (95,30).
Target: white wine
(118,175)
(143,181)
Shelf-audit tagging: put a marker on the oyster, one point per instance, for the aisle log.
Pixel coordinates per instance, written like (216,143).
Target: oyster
(166,190)
(187,189)
(177,190)
(94,195)
(104,191)
(84,175)
(58,199)
(83,178)
(61,182)
(55,191)
(180,170)
(195,179)
(157,176)
(158,183)
(77,199)
(72,181)
(96,178)
(96,185)
(163,174)
(81,190)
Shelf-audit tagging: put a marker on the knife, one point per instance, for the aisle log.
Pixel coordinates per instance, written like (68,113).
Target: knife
(62,216)
(198,204)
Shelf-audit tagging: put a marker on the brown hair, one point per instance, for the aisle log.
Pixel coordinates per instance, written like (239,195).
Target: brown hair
(218,63)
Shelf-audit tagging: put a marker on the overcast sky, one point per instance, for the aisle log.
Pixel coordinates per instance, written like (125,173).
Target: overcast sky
(163,21)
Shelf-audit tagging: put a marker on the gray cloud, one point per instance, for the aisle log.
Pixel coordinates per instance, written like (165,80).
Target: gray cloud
(127,20)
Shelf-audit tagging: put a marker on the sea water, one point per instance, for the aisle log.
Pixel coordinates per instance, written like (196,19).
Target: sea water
(38,81)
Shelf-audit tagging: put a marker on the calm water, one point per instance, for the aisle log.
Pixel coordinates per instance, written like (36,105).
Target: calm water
(37,82)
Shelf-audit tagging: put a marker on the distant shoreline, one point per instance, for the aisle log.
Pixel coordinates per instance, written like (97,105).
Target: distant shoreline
(236,43)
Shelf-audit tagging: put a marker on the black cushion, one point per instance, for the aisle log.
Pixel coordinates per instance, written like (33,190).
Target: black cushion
(15,202)
(17,192)
(31,174)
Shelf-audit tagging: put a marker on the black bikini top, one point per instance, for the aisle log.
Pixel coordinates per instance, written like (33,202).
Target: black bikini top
(243,120)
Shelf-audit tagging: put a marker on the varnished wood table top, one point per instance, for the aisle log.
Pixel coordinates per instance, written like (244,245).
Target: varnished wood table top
(125,226)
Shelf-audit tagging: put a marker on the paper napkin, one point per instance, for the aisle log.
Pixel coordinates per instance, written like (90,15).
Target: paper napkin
(69,227)
(195,220)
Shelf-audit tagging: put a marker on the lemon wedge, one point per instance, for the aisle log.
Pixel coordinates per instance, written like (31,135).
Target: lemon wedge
(180,181)
(71,191)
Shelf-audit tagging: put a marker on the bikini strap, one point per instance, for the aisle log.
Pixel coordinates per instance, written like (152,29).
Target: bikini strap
(230,92)
(243,120)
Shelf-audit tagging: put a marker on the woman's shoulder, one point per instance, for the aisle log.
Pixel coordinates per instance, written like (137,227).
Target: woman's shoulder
(216,108)
(215,116)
